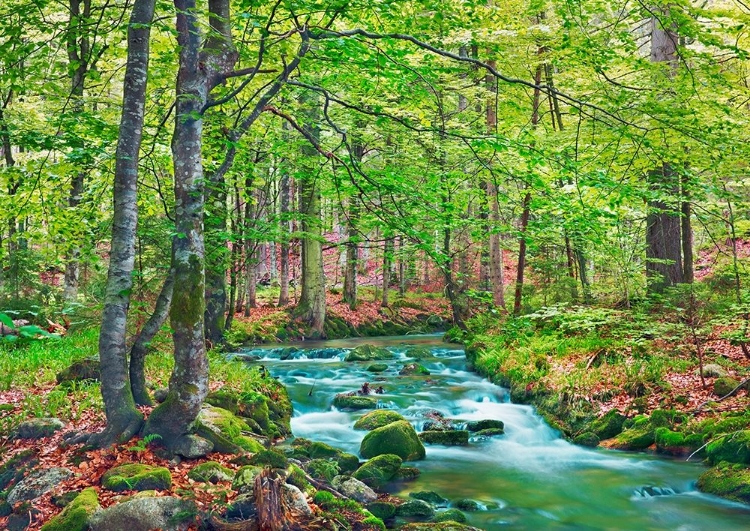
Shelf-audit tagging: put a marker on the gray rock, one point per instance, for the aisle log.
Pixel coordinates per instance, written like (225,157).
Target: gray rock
(712,370)
(192,446)
(38,428)
(415,509)
(144,514)
(37,483)
(354,489)
(295,500)
(242,508)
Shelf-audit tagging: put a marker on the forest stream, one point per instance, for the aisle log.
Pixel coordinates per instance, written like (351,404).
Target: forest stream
(528,478)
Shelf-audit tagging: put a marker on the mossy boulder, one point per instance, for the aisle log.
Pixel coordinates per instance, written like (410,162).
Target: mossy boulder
(354,402)
(38,428)
(368,353)
(489,432)
(377,419)
(226,431)
(732,448)
(666,418)
(135,476)
(418,353)
(486,424)
(468,505)
(354,489)
(447,438)
(676,443)
(608,425)
(450,515)
(302,448)
(270,458)
(407,473)
(439,526)
(210,472)
(724,386)
(381,509)
(378,367)
(244,478)
(415,509)
(75,516)
(414,369)
(79,370)
(587,438)
(429,496)
(379,470)
(326,469)
(37,483)
(633,439)
(14,468)
(731,481)
(397,438)
(166,513)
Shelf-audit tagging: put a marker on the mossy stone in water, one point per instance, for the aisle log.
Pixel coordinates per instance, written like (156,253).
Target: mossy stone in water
(415,509)
(418,353)
(451,515)
(397,438)
(269,458)
(468,505)
(377,419)
(447,438)
(430,497)
(135,476)
(609,425)
(354,402)
(407,473)
(588,439)
(414,369)
(318,450)
(379,470)
(486,424)
(378,367)
(368,353)
(732,447)
(381,509)
(326,469)
(731,481)
(439,526)
(489,432)
(210,472)
(634,439)
(75,515)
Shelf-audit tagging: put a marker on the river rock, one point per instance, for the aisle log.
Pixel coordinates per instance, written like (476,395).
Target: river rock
(450,515)
(468,505)
(608,425)
(486,424)
(415,509)
(379,470)
(378,367)
(447,438)
(294,500)
(732,448)
(82,369)
(397,438)
(225,430)
(244,479)
(588,439)
(414,369)
(192,446)
(242,508)
(135,476)
(145,514)
(431,497)
(354,402)
(377,419)
(37,483)
(368,353)
(418,353)
(633,439)
(724,386)
(407,473)
(38,428)
(731,481)
(712,370)
(75,516)
(381,509)
(354,489)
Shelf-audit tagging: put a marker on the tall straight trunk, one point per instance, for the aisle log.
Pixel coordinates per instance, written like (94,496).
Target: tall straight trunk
(687,235)
(140,346)
(311,307)
(235,268)
(387,265)
(188,384)
(402,268)
(495,265)
(251,277)
(526,207)
(284,247)
(352,254)
(13,186)
(79,56)
(123,419)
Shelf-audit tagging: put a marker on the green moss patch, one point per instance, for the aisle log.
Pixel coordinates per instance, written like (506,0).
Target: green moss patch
(732,448)
(379,470)
(398,438)
(731,481)
(75,516)
(134,476)
(377,419)
(210,472)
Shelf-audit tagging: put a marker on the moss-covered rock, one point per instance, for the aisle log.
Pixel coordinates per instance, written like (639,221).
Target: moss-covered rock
(14,468)
(407,473)
(732,448)
(379,470)
(317,450)
(348,401)
(676,443)
(447,438)
(75,516)
(450,515)
(418,353)
(378,367)
(415,509)
(414,369)
(79,370)
(666,418)
(244,478)
(368,353)
(325,469)
(167,513)
(38,428)
(431,497)
(210,472)
(135,476)
(633,439)
(609,425)
(731,481)
(468,505)
(724,386)
(269,458)
(486,424)
(354,489)
(37,483)
(587,438)
(228,432)
(377,419)
(397,438)
(382,509)
(439,526)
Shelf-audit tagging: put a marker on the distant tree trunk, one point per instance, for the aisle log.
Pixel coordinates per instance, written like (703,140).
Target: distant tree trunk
(140,346)
(402,268)
(387,266)
(251,277)
(352,255)
(123,419)
(236,259)
(518,299)
(13,186)
(495,269)
(284,196)
(687,235)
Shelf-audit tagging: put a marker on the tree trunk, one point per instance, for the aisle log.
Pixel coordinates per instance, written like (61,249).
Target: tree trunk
(188,384)
(352,255)
(387,265)
(123,419)
(687,235)
(518,299)
(284,250)
(495,265)
(140,347)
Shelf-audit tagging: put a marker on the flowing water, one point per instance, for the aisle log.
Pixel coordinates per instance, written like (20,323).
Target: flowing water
(528,478)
